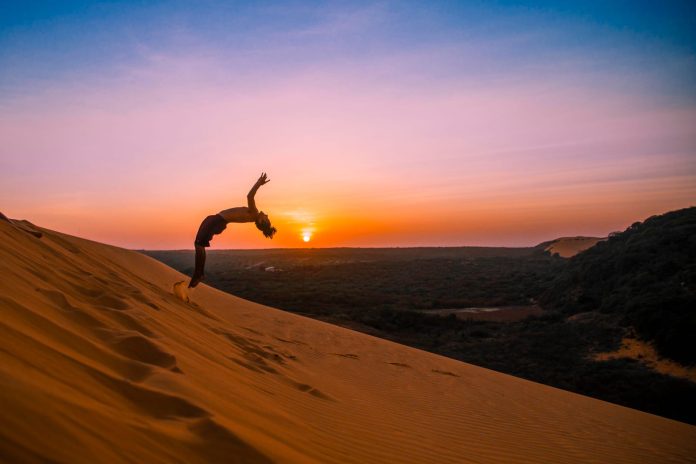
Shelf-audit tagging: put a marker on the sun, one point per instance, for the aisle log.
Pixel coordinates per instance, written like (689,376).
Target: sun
(306,233)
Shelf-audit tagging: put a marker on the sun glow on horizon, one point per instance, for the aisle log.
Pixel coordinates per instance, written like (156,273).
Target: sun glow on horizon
(307,233)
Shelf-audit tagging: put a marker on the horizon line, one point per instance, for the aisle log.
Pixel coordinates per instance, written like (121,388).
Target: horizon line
(366,247)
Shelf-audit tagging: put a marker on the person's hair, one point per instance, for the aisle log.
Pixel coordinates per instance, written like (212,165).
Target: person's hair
(265,227)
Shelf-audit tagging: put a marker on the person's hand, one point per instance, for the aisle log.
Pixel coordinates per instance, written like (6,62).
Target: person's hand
(263,179)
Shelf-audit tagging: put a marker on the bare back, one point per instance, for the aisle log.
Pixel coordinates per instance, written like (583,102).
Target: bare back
(239,214)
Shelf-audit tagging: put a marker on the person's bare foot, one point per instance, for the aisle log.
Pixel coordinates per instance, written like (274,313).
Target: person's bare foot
(195,281)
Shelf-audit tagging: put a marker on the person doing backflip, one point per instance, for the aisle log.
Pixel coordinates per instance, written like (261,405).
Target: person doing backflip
(216,223)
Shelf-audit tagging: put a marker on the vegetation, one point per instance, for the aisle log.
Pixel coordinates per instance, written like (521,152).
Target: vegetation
(646,275)
(333,281)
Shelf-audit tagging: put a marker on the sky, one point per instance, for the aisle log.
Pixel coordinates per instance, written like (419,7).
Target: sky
(379,123)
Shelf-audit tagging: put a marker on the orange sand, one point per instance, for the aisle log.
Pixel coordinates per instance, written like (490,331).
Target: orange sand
(645,353)
(100,362)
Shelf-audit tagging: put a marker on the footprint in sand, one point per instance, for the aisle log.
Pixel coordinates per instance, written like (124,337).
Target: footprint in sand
(294,342)
(346,355)
(438,371)
(135,346)
(181,291)
(303,387)
(398,364)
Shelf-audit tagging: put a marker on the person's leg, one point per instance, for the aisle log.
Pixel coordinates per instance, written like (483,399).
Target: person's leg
(200,266)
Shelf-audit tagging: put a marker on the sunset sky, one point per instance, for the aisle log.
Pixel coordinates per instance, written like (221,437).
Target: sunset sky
(379,124)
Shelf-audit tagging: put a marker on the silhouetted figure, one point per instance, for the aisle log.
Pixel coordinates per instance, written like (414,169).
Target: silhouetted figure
(216,223)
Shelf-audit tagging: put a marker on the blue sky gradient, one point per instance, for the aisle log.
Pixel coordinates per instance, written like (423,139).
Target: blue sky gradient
(67,41)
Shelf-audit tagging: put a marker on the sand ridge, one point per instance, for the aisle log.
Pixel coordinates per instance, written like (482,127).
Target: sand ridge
(101,362)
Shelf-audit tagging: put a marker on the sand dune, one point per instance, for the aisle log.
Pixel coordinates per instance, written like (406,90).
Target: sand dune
(100,362)
(567,247)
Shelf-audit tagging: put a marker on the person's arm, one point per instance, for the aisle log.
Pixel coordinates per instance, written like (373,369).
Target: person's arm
(250,196)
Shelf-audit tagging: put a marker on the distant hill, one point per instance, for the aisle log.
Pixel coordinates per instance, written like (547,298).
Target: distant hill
(646,275)
(567,247)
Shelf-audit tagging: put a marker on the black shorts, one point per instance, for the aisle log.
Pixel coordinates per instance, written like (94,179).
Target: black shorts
(212,225)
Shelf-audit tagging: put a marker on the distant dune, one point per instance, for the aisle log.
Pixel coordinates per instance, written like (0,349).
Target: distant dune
(567,247)
(100,362)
